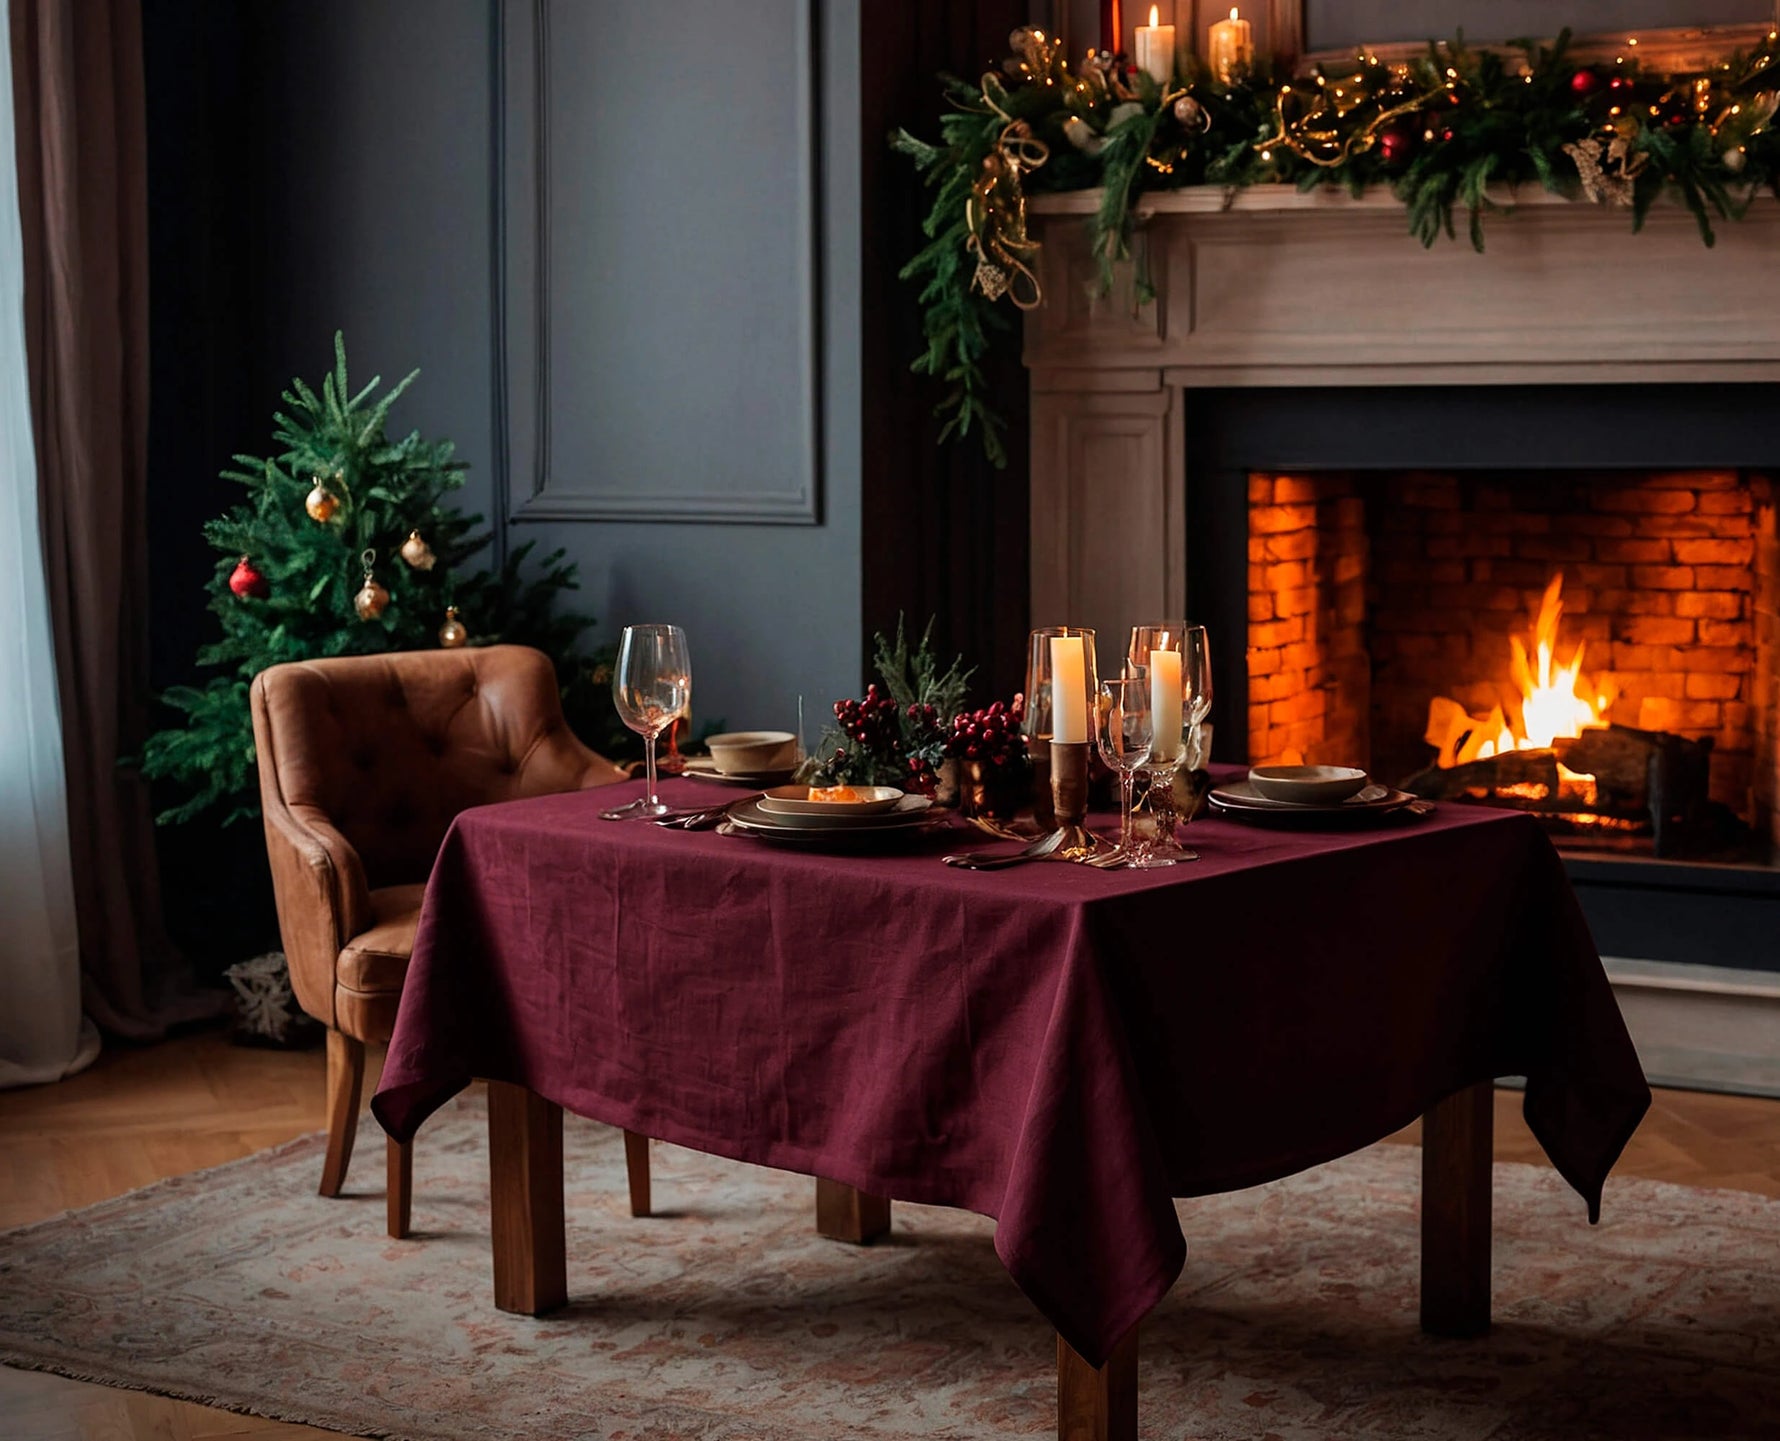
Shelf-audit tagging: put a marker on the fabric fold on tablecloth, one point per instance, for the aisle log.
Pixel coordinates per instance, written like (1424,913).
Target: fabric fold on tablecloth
(1063,1049)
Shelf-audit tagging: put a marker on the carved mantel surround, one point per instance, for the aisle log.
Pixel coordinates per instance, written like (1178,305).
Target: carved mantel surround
(1273,288)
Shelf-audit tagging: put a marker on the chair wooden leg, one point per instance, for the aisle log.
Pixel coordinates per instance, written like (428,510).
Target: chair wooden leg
(846,1214)
(525,1181)
(636,1168)
(1097,1403)
(346,1077)
(1456,1155)
(401,1186)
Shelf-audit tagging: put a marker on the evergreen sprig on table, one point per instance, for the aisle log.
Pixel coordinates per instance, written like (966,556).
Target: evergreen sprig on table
(895,736)
(302,574)
(1445,133)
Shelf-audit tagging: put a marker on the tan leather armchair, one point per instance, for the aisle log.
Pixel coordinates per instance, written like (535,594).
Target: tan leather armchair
(364,761)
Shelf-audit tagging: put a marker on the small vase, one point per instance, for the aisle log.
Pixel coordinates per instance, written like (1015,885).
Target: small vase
(992,792)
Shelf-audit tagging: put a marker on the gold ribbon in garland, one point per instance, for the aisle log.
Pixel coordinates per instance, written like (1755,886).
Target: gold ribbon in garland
(1317,136)
(995,214)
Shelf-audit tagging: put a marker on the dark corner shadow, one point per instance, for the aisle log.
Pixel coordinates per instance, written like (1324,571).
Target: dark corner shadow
(1647,1383)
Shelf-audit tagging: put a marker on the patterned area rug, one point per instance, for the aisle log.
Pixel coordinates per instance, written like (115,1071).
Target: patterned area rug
(727,1319)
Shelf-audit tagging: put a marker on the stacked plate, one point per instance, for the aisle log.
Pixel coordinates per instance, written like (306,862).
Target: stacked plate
(1308,795)
(703,768)
(787,813)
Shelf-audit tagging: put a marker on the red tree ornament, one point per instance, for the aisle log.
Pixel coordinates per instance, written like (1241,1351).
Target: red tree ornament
(1395,145)
(245,581)
(1585,82)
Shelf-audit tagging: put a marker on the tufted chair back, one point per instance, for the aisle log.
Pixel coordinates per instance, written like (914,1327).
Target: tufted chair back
(364,761)
(389,748)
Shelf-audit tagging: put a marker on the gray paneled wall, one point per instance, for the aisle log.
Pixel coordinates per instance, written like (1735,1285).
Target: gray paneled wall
(633,293)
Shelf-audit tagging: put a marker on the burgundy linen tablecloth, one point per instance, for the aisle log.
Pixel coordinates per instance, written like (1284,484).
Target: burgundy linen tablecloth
(1061,1048)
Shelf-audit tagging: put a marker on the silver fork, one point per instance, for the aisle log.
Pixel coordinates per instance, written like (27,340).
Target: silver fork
(977,861)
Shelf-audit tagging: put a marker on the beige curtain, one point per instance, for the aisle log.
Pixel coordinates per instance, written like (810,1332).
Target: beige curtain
(82,161)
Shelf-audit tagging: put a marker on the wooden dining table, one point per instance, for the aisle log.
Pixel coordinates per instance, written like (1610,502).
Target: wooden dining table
(1065,1049)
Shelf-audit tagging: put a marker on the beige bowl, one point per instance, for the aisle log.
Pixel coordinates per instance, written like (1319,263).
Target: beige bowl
(752,753)
(1307,785)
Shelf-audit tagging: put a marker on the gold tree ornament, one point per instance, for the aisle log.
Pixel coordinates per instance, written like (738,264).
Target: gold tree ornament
(321,502)
(417,552)
(372,599)
(453,633)
(1191,114)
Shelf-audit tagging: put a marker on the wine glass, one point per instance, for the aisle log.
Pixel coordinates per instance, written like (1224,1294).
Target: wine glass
(652,688)
(1125,727)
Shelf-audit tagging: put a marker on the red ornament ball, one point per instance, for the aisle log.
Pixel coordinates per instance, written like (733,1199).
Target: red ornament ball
(1394,146)
(245,581)
(1585,82)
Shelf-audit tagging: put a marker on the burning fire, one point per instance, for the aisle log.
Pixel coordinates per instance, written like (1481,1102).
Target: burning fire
(1553,702)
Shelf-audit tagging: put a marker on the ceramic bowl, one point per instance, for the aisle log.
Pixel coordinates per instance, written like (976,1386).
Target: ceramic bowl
(750,753)
(795,801)
(1307,785)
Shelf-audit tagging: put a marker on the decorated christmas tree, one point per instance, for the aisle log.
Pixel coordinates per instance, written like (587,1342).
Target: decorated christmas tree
(345,546)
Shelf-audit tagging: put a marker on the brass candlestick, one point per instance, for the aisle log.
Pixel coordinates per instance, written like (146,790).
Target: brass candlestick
(1069,799)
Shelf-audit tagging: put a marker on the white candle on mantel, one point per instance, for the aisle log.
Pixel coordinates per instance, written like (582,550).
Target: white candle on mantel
(1155,49)
(1165,705)
(1230,47)
(1069,690)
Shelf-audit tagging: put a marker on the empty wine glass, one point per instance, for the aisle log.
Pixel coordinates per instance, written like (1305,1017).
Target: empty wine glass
(651,688)
(1125,728)
(1195,675)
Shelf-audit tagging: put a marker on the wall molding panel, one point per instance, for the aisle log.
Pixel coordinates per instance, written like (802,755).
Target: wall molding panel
(638,250)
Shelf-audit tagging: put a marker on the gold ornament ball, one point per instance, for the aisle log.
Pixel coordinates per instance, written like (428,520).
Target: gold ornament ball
(322,503)
(417,552)
(453,633)
(371,601)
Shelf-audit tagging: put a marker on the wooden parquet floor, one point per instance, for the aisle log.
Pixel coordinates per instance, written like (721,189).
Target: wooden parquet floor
(139,1115)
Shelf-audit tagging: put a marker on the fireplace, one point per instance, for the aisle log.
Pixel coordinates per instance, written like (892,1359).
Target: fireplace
(1589,646)
(1411,445)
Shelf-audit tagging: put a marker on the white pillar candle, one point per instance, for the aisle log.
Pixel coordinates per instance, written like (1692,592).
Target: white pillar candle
(1165,704)
(1069,690)
(1155,49)
(1230,47)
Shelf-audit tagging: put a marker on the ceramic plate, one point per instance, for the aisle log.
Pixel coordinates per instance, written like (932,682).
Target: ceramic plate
(702,768)
(795,801)
(1240,801)
(753,815)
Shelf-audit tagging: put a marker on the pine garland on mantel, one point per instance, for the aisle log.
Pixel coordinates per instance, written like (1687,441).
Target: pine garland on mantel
(1440,132)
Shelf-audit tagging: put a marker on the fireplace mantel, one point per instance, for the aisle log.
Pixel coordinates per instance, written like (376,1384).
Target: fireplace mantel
(1274,288)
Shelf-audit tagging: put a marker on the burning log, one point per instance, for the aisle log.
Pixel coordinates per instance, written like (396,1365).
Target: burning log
(1647,780)
(1522,772)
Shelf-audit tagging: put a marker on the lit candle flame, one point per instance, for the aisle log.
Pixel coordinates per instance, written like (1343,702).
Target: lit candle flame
(1233,14)
(1155,15)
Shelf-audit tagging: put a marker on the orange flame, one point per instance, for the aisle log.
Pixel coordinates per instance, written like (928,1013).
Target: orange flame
(1554,702)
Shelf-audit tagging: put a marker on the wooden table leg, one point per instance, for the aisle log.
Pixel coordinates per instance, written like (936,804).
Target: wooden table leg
(399,1204)
(1456,1160)
(1097,1403)
(845,1214)
(525,1181)
(636,1170)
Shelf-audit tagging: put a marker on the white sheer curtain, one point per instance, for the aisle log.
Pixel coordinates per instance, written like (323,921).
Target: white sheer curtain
(43,1035)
